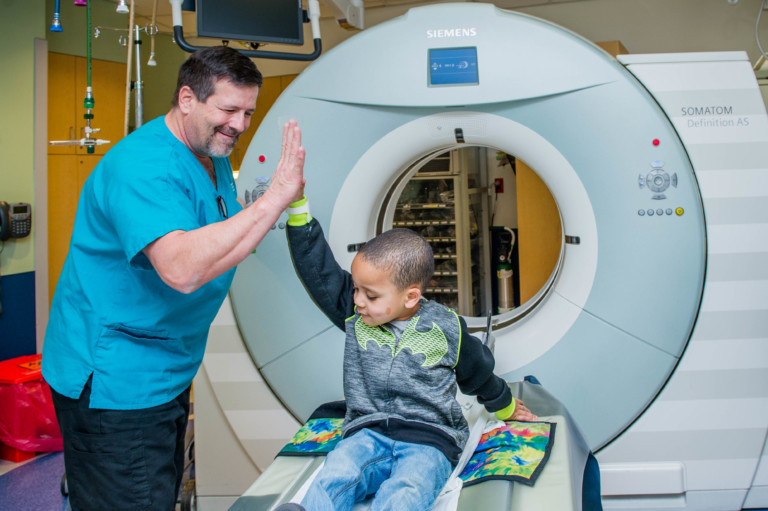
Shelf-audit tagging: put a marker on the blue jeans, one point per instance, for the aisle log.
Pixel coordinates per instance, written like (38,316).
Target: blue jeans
(402,475)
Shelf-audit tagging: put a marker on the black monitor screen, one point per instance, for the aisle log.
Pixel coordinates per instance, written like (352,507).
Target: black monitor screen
(268,21)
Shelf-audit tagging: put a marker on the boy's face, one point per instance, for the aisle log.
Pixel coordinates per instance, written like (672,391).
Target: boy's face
(378,300)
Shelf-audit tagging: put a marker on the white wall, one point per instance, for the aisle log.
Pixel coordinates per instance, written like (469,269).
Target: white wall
(662,26)
(643,26)
(505,212)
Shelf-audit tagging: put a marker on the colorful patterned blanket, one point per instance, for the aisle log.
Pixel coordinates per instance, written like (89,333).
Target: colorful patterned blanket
(515,451)
(317,437)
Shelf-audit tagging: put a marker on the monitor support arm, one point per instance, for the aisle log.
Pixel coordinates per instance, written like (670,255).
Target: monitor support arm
(314,19)
(349,13)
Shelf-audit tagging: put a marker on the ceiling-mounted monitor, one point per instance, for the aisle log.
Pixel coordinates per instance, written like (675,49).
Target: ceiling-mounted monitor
(264,21)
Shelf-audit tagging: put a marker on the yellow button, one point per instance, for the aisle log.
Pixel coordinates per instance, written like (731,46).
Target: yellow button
(679,211)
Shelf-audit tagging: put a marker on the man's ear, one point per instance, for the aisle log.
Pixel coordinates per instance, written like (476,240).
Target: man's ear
(186,98)
(412,296)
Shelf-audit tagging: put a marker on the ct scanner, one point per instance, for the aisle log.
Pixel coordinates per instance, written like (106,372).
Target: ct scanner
(652,329)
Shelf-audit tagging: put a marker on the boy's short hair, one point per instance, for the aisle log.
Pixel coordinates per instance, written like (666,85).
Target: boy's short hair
(404,254)
(206,66)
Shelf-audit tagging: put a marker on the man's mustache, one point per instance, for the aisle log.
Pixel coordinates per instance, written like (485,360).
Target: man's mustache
(230,132)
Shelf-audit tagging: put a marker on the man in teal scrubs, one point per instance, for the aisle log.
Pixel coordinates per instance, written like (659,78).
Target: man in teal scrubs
(157,235)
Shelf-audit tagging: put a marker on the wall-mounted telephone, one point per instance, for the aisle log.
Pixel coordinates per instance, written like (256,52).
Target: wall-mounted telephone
(15,220)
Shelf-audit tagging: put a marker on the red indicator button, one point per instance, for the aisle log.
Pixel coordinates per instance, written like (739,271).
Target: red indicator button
(656,141)
(262,158)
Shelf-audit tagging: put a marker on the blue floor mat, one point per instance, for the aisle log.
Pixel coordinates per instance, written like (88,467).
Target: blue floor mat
(34,486)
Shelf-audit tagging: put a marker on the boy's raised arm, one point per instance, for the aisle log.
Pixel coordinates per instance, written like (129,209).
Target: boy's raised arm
(326,282)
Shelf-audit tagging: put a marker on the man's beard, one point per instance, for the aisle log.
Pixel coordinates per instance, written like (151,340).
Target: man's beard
(219,149)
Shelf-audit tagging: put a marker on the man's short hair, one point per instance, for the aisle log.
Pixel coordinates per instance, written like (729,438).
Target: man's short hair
(205,67)
(404,254)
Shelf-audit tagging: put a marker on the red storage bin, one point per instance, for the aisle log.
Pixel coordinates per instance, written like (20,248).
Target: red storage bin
(27,419)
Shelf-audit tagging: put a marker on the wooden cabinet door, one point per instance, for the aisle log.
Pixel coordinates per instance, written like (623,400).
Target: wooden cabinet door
(66,176)
(62,124)
(108,85)
(67,83)
(539,233)
(270,91)
(70,166)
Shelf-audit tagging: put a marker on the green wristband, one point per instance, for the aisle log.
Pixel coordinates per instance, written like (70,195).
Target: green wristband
(298,213)
(508,412)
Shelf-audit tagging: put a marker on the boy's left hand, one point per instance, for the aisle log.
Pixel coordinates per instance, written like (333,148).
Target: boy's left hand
(522,413)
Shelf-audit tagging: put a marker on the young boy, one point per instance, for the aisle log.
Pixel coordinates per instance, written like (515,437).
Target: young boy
(404,356)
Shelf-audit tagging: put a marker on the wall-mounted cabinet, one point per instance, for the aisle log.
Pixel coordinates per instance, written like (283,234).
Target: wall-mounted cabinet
(70,166)
(68,79)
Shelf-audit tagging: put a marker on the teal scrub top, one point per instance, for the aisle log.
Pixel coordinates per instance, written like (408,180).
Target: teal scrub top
(112,316)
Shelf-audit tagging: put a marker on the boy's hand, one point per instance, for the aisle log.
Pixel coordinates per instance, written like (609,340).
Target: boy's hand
(522,413)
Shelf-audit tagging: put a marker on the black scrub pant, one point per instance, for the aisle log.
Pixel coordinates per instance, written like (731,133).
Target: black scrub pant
(122,459)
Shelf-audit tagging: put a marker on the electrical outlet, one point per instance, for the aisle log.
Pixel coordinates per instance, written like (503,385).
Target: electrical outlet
(498,185)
